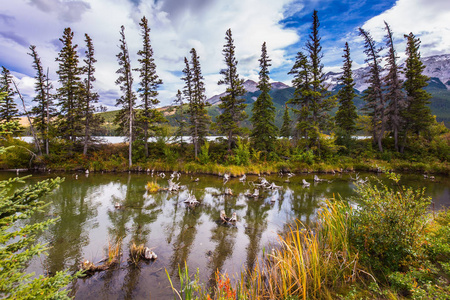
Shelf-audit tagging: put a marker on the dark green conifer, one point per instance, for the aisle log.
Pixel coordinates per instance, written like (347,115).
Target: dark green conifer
(148,90)
(301,101)
(125,117)
(195,93)
(233,102)
(321,100)
(373,96)
(71,90)
(264,131)
(395,97)
(346,114)
(44,109)
(285,130)
(8,108)
(417,114)
(180,118)
(90,97)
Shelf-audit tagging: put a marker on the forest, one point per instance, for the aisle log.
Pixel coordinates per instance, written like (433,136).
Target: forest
(317,132)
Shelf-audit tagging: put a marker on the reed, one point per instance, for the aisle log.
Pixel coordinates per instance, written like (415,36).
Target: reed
(308,263)
(114,251)
(136,252)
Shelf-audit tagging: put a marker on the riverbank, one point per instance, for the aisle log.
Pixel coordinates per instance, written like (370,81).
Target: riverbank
(344,165)
(216,160)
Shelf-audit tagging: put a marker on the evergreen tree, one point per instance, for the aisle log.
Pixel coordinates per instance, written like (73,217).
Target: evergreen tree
(148,85)
(8,108)
(375,100)
(346,114)
(16,240)
(71,91)
(417,114)
(264,131)
(125,117)
(394,95)
(195,92)
(44,109)
(301,100)
(180,118)
(285,130)
(90,97)
(321,102)
(233,102)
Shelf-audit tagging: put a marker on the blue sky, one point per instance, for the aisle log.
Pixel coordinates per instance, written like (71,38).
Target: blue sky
(178,25)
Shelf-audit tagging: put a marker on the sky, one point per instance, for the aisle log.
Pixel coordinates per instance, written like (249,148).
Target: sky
(179,25)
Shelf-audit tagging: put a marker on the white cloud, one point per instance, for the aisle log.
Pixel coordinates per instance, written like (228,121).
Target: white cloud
(428,20)
(176,28)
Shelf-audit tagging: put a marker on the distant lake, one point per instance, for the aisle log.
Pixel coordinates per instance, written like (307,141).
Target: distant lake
(123,139)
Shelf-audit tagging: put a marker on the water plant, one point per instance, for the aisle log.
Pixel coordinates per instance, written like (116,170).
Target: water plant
(190,288)
(152,187)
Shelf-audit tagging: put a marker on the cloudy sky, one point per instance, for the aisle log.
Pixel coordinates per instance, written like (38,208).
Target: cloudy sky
(179,25)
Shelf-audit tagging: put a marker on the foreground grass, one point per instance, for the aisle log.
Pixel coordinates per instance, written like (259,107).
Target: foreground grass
(391,247)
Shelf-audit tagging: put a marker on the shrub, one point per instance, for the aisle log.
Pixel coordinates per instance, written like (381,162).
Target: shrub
(241,155)
(203,157)
(388,228)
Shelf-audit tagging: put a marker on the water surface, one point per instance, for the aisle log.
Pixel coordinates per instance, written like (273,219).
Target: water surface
(89,220)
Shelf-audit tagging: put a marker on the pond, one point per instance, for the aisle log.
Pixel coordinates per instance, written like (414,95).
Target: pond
(85,204)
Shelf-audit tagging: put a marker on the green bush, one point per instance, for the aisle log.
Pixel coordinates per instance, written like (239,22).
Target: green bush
(388,228)
(203,157)
(299,155)
(241,153)
(19,156)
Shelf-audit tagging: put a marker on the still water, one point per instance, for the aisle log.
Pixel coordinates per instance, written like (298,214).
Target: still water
(89,220)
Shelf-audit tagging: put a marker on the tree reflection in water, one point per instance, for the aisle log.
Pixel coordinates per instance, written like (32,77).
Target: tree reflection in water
(161,220)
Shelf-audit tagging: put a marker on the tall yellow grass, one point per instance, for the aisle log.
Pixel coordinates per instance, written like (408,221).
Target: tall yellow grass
(307,263)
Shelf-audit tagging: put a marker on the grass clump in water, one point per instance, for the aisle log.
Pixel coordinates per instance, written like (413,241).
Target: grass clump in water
(152,187)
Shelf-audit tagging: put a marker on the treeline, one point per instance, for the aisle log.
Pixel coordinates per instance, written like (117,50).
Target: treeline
(394,109)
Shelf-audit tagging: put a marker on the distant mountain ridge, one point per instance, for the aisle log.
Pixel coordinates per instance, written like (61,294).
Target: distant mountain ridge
(251,87)
(437,67)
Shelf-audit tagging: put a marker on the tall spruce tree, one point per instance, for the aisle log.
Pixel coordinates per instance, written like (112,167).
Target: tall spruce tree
(373,96)
(8,107)
(264,131)
(195,89)
(346,114)
(71,89)
(233,102)
(417,114)
(321,100)
(285,130)
(125,117)
(148,90)
(180,118)
(395,97)
(90,97)
(44,108)
(301,100)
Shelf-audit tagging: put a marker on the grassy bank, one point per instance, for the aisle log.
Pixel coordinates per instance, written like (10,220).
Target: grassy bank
(214,158)
(392,247)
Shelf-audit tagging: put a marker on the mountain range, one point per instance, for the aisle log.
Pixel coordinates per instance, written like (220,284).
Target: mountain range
(436,67)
